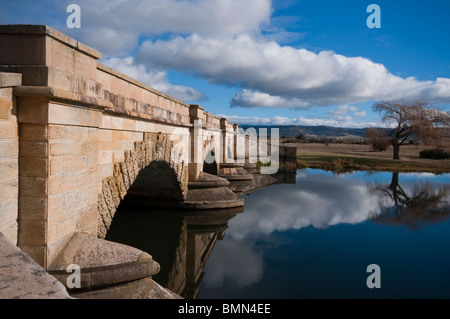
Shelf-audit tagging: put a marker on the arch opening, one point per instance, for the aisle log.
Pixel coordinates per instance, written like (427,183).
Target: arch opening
(148,172)
(157,181)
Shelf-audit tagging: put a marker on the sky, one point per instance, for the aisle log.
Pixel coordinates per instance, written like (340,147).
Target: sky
(262,62)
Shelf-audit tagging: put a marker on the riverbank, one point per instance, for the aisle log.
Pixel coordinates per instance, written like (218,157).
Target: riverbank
(347,157)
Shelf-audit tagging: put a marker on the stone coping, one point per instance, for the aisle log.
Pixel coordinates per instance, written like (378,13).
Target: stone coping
(22,278)
(59,94)
(130,80)
(46,30)
(102,263)
(10,79)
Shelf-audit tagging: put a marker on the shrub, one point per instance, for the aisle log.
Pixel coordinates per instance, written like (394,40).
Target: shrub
(377,139)
(435,153)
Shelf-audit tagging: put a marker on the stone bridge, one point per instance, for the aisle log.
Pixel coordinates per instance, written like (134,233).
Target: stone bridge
(77,138)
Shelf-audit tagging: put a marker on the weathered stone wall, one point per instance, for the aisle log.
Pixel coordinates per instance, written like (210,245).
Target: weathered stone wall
(9,156)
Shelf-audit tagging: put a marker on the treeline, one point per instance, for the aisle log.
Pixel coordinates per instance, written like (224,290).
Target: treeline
(302,138)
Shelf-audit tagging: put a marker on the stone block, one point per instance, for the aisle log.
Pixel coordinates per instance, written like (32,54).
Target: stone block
(25,49)
(33,132)
(56,165)
(118,156)
(93,134)
(6,108)
(8,213)
(37,253)
(10,79)
(75,164)
(87,218)
(105,170)
(55,206)
(33,186)
(8,130)
(117,135)
(56,132)
(32,233)
(30,166)
(33,208)
(74,201)
(61,183)
(105,135)
(117,123)
(87,178)
(33,112)
(9,148)
(128,125)
(60,148)
(33,149)
(76,133)
(9,168)
(105,157)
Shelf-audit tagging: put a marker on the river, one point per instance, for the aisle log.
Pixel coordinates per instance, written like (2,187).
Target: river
(311,239)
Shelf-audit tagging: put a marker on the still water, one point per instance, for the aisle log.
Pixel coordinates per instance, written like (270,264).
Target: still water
(311,239)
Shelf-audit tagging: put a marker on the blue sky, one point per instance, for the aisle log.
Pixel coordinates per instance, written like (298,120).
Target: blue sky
(307,62)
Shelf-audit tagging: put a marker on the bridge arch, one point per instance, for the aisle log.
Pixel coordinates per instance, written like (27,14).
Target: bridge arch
(154,169)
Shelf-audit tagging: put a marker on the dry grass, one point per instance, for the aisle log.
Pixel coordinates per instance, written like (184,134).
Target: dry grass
(357,156)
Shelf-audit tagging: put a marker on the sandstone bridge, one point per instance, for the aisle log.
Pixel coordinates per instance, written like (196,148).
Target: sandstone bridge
(77,138)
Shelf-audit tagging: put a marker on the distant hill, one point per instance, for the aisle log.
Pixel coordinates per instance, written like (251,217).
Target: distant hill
(291,131)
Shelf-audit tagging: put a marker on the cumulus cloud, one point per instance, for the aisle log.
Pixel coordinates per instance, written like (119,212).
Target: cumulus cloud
(361,114)
(273,75)
(134,19)
(230,42)
(156,79)
(341,114)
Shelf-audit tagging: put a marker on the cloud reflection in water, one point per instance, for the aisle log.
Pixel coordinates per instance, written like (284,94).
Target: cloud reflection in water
(318,199)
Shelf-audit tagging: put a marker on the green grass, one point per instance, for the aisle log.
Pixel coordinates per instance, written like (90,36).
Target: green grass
(350,163)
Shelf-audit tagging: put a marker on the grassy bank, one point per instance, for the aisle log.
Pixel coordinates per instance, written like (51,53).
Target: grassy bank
(347,157)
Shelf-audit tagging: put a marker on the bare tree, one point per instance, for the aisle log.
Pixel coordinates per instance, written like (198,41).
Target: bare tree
(413,118)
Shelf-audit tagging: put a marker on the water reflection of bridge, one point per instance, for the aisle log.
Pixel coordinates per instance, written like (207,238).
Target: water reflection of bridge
(182,240)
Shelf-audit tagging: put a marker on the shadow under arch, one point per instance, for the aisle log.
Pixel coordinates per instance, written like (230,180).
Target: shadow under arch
(157,181)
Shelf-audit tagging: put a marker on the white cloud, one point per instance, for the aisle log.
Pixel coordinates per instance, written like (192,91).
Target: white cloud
(361,114)
(345,121)
(106,19)
(272,75)
(156,79)
(248,98)
(342,110)
(318,202)
(340,113)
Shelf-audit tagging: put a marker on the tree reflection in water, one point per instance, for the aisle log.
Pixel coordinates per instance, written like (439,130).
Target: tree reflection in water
(424,204)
